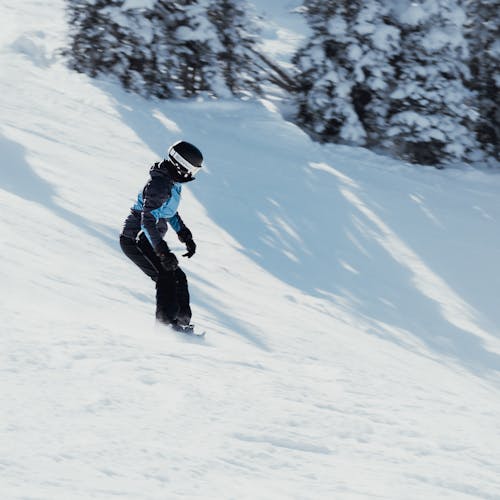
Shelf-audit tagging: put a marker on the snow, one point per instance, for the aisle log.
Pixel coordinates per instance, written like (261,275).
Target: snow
(337,25)
(385,37)
(354,51)
(283,29)
(138,4)
(350,300)
(414,13)
(437,39)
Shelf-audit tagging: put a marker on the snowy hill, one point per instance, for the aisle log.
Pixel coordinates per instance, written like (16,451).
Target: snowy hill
(351,304)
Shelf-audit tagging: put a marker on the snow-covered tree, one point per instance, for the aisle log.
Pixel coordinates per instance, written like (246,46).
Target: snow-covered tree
(483,36)
(345,70)
(235,46)
(165,48)
(393,74)
(183,55)
(101,43)
(432,110)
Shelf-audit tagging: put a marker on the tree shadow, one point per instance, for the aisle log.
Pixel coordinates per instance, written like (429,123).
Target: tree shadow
(19,178)
(405,291)
(303,226)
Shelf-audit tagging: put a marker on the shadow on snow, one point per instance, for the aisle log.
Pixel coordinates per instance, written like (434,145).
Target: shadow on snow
(310,225)
(19,178)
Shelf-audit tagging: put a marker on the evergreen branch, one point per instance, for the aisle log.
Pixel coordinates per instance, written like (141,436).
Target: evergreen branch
(278,75)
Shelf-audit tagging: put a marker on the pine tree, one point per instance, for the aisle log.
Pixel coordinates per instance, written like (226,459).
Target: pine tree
(183,60)
(345,70)
(169,49)
(94,43)
(378,39)
(432,110)
(325,105)
(483,36)
(234,46)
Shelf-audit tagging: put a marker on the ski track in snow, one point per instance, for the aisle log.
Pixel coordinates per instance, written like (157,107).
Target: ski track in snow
(350,303)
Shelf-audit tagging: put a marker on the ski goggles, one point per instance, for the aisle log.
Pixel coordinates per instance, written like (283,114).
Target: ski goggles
(181,161)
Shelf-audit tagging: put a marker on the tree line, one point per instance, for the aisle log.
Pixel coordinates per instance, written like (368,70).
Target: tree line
(418,80)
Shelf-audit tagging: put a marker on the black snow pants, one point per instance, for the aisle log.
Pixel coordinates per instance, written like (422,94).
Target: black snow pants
(172,294)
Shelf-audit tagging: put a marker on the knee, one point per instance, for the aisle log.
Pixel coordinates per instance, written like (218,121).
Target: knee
(180,276)
(126,243)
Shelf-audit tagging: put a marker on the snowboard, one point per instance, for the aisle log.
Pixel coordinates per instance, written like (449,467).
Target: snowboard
(189,330)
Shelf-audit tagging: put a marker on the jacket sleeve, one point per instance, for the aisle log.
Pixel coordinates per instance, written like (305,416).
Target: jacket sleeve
(176,222)
(155,194)
(183,232)
(180,228)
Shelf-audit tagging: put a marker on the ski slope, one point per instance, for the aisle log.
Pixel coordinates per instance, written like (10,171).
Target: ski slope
(350,300)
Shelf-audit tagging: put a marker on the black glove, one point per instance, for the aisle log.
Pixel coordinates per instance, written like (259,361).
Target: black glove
(186,237)
(168,259)
(191,249)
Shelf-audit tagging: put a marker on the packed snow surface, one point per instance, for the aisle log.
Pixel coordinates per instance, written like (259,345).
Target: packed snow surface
(350,303)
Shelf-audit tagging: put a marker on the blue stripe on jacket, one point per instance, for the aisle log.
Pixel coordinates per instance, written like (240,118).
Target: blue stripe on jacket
(167,211)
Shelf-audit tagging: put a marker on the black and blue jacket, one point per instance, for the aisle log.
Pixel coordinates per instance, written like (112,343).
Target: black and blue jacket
(156,206)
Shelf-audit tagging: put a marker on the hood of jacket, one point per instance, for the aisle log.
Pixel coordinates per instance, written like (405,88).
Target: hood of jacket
(160,169)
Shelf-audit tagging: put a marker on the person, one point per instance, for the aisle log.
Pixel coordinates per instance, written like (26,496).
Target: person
(142,236)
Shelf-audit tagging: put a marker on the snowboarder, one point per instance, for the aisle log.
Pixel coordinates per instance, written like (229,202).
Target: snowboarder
(142,236)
